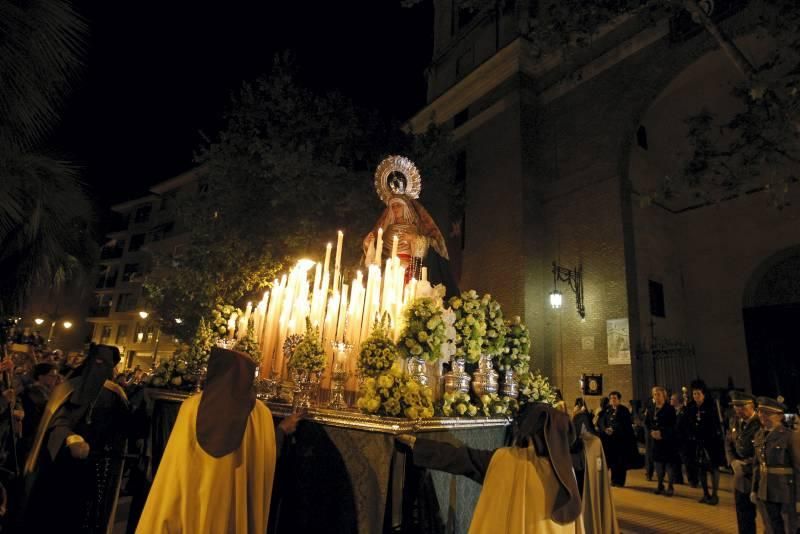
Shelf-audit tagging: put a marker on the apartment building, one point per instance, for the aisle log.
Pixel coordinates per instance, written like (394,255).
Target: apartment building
(118,313)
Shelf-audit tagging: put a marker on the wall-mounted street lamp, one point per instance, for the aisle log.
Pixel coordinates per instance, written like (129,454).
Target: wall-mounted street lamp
(143,314)
(574,278)
(38,321)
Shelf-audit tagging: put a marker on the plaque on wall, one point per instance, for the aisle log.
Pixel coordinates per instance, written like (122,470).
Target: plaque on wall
(619,345)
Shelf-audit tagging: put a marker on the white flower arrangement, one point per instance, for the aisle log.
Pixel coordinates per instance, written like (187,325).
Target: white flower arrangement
(535,387)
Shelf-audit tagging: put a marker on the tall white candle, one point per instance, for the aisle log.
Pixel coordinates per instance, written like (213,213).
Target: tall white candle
(424,277)
(326,268)
(379,247)
(394,247)
(342,317)
(338,265)
(232,325)
(317,276)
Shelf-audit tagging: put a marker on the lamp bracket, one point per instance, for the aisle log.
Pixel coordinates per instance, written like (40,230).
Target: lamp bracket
(573,278)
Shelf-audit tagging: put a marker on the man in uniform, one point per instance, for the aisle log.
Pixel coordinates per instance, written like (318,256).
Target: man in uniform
(740,452)
(776,467)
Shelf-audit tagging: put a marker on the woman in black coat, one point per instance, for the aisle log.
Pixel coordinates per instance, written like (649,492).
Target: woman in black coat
(619,443)
(705,439)
(660,426)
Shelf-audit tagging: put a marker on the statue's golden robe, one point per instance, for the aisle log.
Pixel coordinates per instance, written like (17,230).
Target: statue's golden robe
(195,492)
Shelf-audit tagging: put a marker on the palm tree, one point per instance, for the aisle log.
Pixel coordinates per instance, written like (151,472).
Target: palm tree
(44,212)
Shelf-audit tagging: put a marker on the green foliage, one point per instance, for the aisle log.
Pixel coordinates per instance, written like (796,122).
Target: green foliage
(289,168)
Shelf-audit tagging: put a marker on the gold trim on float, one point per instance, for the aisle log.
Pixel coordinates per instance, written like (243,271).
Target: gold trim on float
(368,423)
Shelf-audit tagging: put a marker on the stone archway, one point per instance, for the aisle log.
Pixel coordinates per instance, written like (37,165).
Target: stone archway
(771,312)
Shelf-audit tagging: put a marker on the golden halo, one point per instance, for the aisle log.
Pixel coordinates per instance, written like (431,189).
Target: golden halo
(397,175)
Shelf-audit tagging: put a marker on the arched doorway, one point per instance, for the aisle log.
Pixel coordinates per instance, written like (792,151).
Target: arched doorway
(771,319)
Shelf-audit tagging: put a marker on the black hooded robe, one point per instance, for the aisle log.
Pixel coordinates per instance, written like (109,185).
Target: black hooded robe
(65,494)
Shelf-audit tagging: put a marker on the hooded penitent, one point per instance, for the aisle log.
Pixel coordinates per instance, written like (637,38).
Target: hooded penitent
(217,469)
(530,487)
(227,401)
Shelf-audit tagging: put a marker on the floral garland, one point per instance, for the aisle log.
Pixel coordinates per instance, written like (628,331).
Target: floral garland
(494,341)
(470,325)
(378,353)
(308,355)
(535,387)
(458,404)
(517,347)
(424,332)
(395,394)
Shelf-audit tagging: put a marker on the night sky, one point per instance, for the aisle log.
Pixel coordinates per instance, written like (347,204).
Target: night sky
(158,73)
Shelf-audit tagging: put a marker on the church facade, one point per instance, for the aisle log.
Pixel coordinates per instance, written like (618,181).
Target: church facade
(558,153)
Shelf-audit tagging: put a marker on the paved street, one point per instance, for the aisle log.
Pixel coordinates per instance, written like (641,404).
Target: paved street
(640,511)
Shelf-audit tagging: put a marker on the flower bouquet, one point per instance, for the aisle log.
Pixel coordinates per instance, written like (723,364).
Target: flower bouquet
(378,353)
(516,355)
(424,332)
(308,355)
(306,364)
(470,325)
(535,387)
(494,341)
(457,403)
(395,394)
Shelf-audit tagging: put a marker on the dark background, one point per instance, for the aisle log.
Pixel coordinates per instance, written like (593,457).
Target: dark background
(160,73)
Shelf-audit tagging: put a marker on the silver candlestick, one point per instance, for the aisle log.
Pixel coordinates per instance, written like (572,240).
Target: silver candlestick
(339,375)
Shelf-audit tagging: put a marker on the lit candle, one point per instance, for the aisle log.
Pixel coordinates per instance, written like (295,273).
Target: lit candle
(338,265)
(327,259)
(317,277)
(341,355)
(231,325)
(241,332)
(379,246)
(394,247)
(424,276)
(247,312)
(342,313)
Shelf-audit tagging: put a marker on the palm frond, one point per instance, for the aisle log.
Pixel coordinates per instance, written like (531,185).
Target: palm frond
(41,50)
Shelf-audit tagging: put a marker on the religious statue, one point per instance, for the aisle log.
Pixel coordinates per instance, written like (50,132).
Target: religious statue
(419,241)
